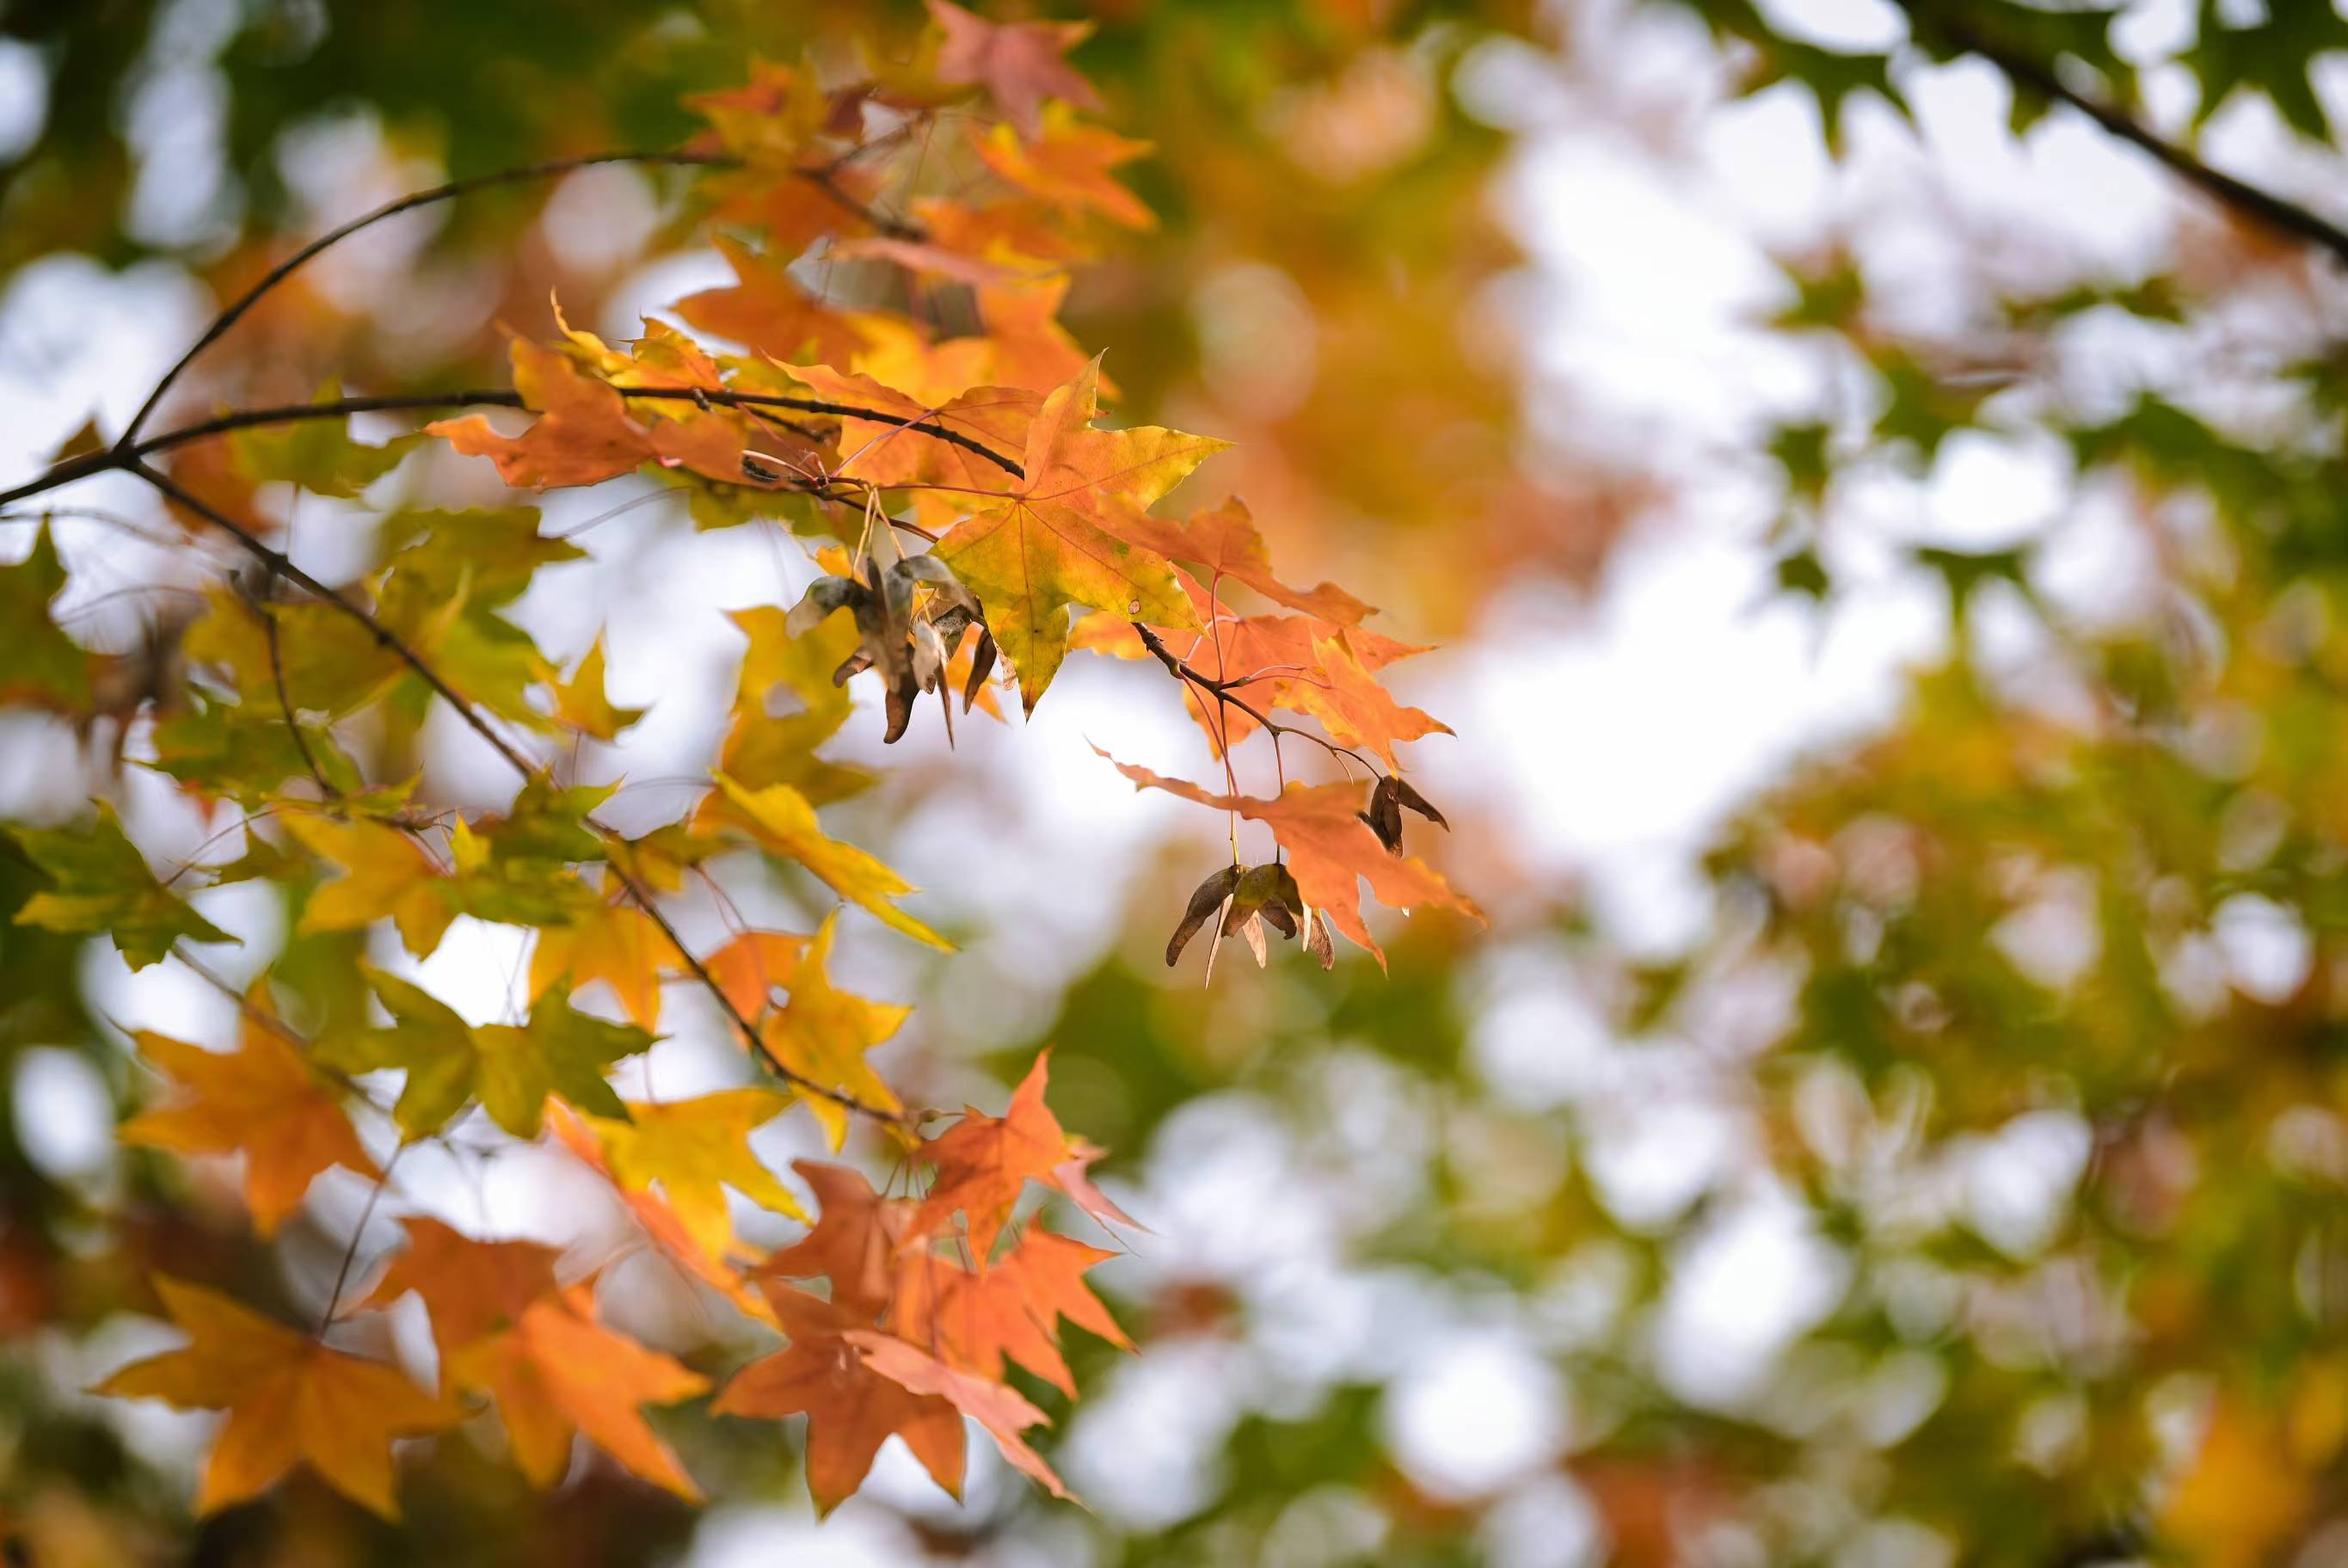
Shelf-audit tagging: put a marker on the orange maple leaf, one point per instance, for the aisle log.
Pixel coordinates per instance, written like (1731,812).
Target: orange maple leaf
(1001,1409)
(984,1161)
(768,311)
(1018,63)
(749,967)
(1225,541)
(852,1409)
(262,1101)
(854,1242)
(558,1370)
(1329,850)
(1012,1310)
(471,1289)
(583,433)
(290,1400)
(996,418)
(1067,164)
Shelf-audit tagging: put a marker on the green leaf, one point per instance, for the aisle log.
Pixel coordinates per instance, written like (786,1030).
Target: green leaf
(38,661)
(488,555)
(2273,56)
(103,885)
(316,454)
(510,1069)
(231,751)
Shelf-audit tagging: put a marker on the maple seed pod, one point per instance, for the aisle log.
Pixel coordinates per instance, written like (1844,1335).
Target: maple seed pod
(1317,939)
(1384,817)
(982,665)
(1205,901)
(1406,795)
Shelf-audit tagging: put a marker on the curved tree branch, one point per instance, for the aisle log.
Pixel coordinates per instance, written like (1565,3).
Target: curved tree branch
(120,458)
(455,188)
(279,565)
(2285,217)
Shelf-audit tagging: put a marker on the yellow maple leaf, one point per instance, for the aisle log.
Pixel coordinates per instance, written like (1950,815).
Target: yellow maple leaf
(822,1034)
(782,820)
(385,872)
(696,1149)
(581,701)
(290,1400)
(617,943)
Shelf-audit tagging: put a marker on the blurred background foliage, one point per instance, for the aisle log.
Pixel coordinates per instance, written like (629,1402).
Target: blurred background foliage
(1964,1185)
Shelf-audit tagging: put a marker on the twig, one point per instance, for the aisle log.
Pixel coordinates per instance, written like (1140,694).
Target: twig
(285,704)
(351,1253)
(455,188)
(2283,216)
(1221,691)
(390,640)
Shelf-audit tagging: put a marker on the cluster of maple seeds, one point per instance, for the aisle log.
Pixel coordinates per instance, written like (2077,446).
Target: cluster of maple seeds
(982,445)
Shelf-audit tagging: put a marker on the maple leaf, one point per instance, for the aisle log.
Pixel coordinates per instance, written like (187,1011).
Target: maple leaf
(583,434)
(511,1069)
(854,1242)
(328,662)
(984,1161)
(1018,63)
(1029,347)
(749,967)
(1057,539)
(1330,849)
(1001,1409)
(1355,709)
(471,1289)
(318,455)
(581,703)
(765,309)
(102,882)
(852,1409)
(996,418)
(822,1035)
(761,748)
(616,942)
(262,1100)
(975,1320)
(290,1400)
(1066,164)
(1226,542)
(387,872)
(780,818)
(661,1222)
(696,1149)
(558,1370)
(38,662)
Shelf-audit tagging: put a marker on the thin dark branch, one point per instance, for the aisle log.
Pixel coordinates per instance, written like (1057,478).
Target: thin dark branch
(351,1251)
(1221,692)
(279,566)
(285,269)
(285,704)
(2285,217)
(120,458)
(824,180)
